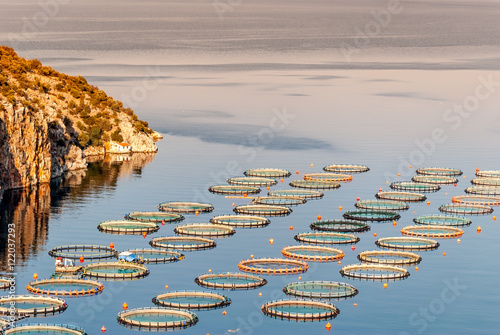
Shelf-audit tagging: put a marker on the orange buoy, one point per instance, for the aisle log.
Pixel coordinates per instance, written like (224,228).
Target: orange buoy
(312,165)
(477,170)
(340,208)
(125,306)
(162,222)
(380,189)
(300,278)
(353,248)
(35,276)
(355,305)
(81,259)
(281,180)
(224,312)
(209,270)
(251,256)
(428,203)
(414,212)
(319,217)
(455,185)
(478,229)
(357,199)
(297,172)
(166,287)
(374,234)
(464,177)
(112,245)
(103,329)
(394,223)
(260,294)
(144,234)
(411,166)
(196,213)
(291,227)
(271,241)
(340,262)
(268,188)
(328,326)
(385,285)
(245,195)
(494,218)
(458,241)
(399,174)
(233,204)
(444,253)
(416,268)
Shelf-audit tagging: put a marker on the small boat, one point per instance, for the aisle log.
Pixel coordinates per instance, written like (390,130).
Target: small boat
(66,266)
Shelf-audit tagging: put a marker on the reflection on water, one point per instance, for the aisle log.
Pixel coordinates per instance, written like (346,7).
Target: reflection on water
(30,209)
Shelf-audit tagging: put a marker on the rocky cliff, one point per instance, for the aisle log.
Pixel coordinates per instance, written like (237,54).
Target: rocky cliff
(49,123)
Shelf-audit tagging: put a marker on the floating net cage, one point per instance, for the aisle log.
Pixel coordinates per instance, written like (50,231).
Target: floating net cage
(279,201)
(434,179)
(367,215)
(374,272)
(389,257)
(312,253)
(346,226)
(432,231)
(241,221)
(321,290)
(230,281)
(273,266)
(483,190)
(346,168)
(409,243)
(233,189)
(188,243)
(128,227)
(45,328)
(31,305)
(414,187)
(156,318)
(205,230)
(265,210)
(326,238)
(328,176)
(154,217)
(486,181)
(191,300)
(5,282)
(68,287)
(88,251)
(436,171)
(300,310)
(442,220)
(267,173)
(466,209)
(157,255)
(185,207)
(476,200)
(306,194)
(401,196)
(382,205)
(252,181)
(314,184)
(115,271)
(488,174)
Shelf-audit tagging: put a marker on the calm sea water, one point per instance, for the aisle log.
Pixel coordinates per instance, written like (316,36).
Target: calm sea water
(266,84)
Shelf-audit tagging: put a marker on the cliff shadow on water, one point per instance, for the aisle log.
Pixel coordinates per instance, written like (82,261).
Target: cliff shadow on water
(30,209)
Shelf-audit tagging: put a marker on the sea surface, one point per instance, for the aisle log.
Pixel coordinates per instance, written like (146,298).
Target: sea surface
(234,85)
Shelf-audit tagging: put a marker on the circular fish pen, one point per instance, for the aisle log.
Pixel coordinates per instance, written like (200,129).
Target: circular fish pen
(191,300)
(88,252)
(185,207)
(442,220)
(306,194)
(230,281)
(312,253)
(45,328)
(128,227)
(273,266)
(264,210)
(476,200)
(233,189)
(434,179)
(366,215)
(488,174)
(154,217)
(486,181)
(68,287)
(401,196)
(240,221)
(346,168)
(414,187)
(483,190)
(432,231)
(410,243)
(267,173)
(328,176)
(437,171)
(157,255)
(300,310)
(115,271)
(182,243)
(399,258)
(252,181)
(346,226)
(466,209)
(314,184)
(205,230)
(374,272)
(5,282)
(31,305)
(326,238)
(382,205)
(279,201)
(155,318)
(320,290)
